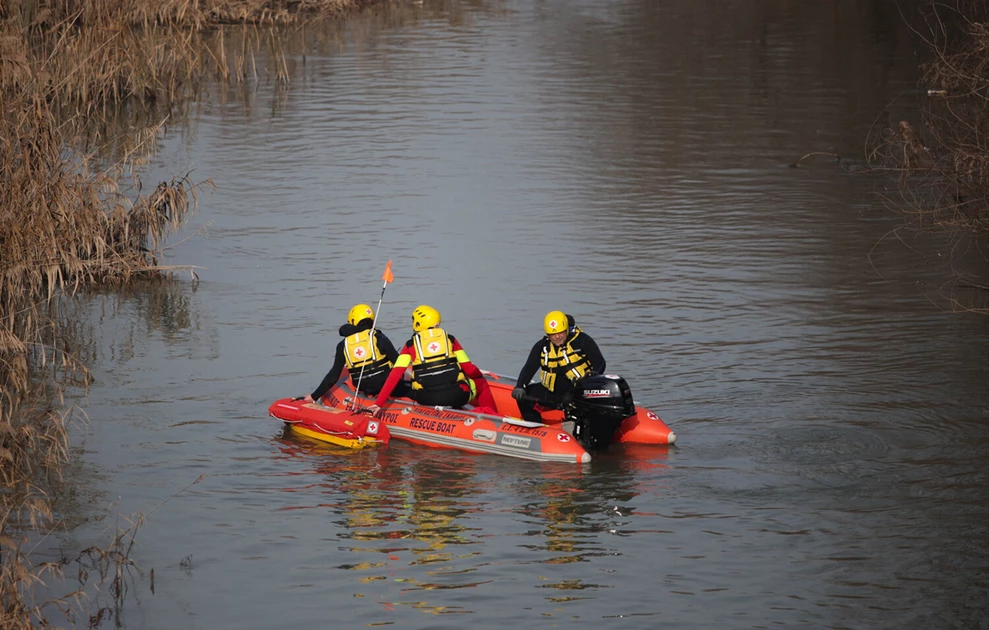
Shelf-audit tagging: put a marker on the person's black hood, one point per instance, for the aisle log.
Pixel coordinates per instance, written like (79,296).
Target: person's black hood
(349,329)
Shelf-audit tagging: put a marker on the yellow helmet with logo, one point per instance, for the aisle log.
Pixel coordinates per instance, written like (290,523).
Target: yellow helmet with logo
(359,312)
(424,317)
(555,322)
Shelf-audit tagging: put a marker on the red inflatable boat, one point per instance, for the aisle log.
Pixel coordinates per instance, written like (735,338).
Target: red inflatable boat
(494,431)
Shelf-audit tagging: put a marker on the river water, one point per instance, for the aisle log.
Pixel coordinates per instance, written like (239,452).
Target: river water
(634,163)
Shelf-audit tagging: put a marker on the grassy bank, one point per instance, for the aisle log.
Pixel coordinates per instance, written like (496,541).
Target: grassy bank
(73,75)
(942,157)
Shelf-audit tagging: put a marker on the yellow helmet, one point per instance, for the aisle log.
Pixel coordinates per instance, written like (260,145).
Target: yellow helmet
(359,312)
(555,322)
(424,317)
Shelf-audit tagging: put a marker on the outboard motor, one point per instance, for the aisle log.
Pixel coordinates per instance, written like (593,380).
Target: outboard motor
(599,403)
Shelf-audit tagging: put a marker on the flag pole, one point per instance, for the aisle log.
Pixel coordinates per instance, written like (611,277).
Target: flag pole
(387,277)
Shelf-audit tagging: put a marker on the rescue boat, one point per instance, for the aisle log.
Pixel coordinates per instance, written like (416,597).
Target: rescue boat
(330,424)
(601,412)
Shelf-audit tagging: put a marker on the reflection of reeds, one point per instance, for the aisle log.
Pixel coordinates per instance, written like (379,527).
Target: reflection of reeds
(68,70)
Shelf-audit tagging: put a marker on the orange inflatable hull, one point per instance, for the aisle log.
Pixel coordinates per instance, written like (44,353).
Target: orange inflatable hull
(330,424)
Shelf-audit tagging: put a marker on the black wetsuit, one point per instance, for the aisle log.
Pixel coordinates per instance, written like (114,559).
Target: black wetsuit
(370,386)
(585,345)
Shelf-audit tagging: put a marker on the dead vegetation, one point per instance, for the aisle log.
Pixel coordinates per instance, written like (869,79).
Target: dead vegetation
(72,220)
(942,159)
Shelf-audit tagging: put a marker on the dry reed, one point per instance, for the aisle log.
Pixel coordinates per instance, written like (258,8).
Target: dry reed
(68,69)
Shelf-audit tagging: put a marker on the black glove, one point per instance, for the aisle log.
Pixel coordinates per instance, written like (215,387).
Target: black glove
(518,393)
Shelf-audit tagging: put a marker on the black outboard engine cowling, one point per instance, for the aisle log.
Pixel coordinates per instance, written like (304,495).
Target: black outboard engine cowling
(598,404)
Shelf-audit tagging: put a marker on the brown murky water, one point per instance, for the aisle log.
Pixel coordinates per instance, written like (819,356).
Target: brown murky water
(628,163)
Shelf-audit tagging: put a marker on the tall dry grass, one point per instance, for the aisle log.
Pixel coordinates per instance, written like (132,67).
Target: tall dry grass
(70,221)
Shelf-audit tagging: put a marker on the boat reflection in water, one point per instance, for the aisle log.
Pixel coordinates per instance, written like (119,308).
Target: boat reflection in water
(407,515)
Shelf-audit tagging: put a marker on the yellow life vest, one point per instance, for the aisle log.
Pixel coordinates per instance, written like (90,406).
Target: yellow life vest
(360,350)
(565,359)
(436,365)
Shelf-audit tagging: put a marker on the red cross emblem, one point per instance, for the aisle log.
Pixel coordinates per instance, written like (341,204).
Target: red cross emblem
(563,437)
(433,347)
(359,352)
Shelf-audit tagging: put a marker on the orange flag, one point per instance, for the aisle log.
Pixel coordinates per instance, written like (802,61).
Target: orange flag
(387,275)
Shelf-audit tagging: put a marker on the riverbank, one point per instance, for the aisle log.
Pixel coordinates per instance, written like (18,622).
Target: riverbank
(85,89)
(942,158)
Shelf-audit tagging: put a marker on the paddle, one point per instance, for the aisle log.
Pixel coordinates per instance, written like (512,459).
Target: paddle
(387,277)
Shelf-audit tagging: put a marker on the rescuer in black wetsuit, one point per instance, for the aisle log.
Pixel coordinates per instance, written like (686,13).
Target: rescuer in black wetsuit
(368,359)
(564,355)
